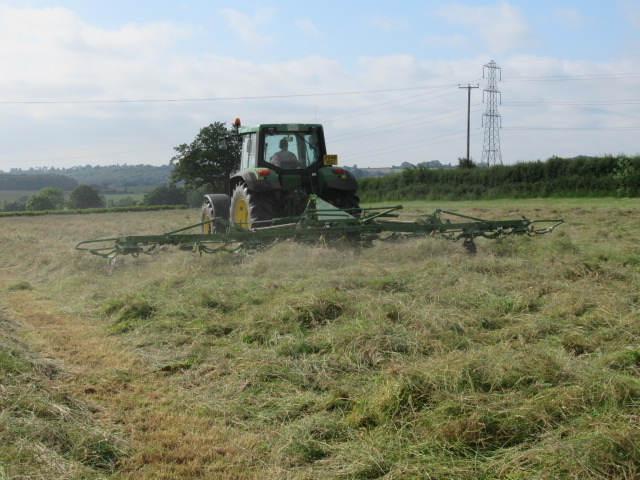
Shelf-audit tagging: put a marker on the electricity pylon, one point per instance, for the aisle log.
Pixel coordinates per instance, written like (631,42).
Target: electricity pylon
(491,119)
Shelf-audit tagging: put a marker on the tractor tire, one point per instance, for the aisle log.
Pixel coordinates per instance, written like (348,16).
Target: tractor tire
(214,207)
(250,209)
(345,199)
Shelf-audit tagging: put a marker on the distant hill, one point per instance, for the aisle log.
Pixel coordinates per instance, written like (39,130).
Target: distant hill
(384,171)
(112,175)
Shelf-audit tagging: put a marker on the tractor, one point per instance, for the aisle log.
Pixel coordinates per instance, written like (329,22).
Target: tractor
(279,166)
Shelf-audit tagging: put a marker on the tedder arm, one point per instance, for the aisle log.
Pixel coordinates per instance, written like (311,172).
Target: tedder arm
(322,222)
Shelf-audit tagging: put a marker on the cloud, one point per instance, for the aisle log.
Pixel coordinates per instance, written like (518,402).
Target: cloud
(246,27)
(390,70)
(632,12)
(61,28)
(307,27)
(446,40)
(571,17)
(54,55)
(502,29)
(387,24)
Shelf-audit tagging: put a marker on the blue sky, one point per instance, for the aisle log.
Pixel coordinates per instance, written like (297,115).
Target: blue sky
(114,82)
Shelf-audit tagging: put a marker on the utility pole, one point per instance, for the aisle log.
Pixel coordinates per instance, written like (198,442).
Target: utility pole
(468,87)
(491,118)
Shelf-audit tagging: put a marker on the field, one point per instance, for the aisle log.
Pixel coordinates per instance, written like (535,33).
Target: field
(401,361)
(13,195)
(136,192)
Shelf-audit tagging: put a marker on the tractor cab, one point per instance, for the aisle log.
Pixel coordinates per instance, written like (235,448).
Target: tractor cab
(285,147)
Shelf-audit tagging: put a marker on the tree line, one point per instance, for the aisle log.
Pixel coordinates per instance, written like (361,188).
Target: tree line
(112,175)
(556,177)
(51,199)
(36,182)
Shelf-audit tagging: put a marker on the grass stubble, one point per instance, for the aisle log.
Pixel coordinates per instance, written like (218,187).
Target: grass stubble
(405,360)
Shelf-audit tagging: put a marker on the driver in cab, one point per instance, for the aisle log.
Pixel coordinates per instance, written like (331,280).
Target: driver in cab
(284,158)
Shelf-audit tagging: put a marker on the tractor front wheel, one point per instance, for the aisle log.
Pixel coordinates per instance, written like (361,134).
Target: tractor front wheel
(214,207)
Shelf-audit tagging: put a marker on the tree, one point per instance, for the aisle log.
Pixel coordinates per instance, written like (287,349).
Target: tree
(203,163)
(86,196)
(48,198)
(164,195)
(466,163)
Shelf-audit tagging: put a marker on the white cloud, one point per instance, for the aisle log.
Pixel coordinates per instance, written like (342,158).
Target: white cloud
(502,28)
(571,17)
(387,24)
(54,55)
(446,40)
(396,70)
(307,27)
(632,12)
(246,27)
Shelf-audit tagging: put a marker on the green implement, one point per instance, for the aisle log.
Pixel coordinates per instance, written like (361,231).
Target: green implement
(321,222)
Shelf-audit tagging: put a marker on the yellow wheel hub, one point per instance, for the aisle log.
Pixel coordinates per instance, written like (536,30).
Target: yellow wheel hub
(241,214)
(207,226)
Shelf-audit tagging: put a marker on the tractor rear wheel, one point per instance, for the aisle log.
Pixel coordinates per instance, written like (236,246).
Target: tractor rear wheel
(214,207)
(251,209)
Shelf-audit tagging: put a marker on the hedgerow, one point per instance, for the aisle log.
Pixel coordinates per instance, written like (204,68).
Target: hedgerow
(606,176)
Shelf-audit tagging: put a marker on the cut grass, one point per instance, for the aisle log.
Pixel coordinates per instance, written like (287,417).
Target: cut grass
(45,432)
(409,360)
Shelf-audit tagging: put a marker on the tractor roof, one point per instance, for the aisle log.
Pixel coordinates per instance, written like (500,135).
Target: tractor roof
(281,127)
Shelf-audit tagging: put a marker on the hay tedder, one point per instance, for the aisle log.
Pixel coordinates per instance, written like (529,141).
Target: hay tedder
(287,188)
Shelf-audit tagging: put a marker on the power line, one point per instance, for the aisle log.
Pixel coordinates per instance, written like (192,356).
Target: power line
(588,129)
(561,78)
(369,109)
(213,99)
(401,125)
(540,103)
(449,137)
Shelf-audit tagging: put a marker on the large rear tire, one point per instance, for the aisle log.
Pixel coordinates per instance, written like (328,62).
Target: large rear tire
(251,209)
(215,207)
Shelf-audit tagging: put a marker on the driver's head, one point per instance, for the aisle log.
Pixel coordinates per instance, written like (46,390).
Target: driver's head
(284,143)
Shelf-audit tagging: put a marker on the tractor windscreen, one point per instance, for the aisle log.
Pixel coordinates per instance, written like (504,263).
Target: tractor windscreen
(291,150)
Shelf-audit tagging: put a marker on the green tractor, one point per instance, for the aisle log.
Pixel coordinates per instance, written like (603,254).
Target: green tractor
(279,167)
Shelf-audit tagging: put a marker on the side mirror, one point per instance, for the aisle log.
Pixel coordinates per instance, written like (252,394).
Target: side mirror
(222,143)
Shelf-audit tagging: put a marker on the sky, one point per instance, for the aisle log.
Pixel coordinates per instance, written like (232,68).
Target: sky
(88,82)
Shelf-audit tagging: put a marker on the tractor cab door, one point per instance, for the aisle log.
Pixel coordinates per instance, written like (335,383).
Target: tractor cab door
(248,155)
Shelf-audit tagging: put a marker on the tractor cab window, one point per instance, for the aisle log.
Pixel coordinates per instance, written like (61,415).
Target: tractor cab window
(291,150)
(248,156)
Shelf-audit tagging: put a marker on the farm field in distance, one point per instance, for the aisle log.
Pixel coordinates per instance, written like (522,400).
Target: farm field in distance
(135,192)
(401,361)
